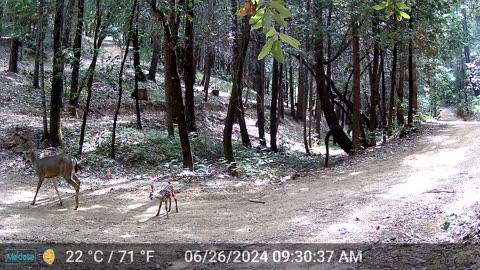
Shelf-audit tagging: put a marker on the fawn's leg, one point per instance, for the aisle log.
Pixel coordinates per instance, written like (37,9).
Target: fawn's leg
(170,204)
(160,206)
(56,189)
(76,187)
(166,207)
(39,184)
(176,207)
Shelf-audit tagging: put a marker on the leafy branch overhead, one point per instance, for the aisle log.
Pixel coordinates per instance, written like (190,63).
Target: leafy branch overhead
(392,7)
(264,15)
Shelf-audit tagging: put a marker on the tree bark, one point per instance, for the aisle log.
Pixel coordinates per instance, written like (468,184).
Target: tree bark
(98,38)
(412,75)
(323,92)
(57,78)
(175,91)
(241,38)
(156,52)
(259,86)
(273,109)
(292,92)
(393,82)
(14,48)
(77,54)
(357,102)
(401,85)
(189,67)
(209,61)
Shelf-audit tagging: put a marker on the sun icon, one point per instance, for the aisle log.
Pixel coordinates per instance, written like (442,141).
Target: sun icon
(49,256)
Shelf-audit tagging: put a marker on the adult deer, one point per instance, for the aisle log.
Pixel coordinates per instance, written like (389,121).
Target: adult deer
(54,166)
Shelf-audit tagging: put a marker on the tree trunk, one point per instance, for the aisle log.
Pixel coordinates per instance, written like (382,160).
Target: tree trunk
(41,42)
(393,82)
(77,54)
(323,92)
(69,10)
(273,109)
(139,76)
(156,52)
(57,78)
(305,135)
(259,86)
(209,61)
(120,79)
(14,48)
(401,85)
(241,38)
(412,76)
(299,116)
(357,102)
(292,92)
(175,91)
(189,67)
(374,83)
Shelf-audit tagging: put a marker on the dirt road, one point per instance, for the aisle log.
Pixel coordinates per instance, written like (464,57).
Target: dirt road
(385,196)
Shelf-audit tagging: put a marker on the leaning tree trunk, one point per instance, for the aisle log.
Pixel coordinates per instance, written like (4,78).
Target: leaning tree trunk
(98,38)
(120,81)
(324,94)
(57,78)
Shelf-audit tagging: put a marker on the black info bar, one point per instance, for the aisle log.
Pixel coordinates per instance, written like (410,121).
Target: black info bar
(238,256)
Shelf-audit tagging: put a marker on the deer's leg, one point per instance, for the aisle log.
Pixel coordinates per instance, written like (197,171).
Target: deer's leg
(39,184)
(56,189)
(170,204)
(176,207)
(160,206)
(166,206)
(74,177)
(75,186)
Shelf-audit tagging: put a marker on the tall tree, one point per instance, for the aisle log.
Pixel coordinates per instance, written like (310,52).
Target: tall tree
(57,77)
(189,66)
(357,102)
(175,89)
(241,37)
(77,54)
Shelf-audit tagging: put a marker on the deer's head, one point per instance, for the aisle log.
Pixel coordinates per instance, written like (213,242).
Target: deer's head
(151,193)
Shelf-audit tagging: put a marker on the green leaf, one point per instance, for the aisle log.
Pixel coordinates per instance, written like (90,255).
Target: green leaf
(278,19)
(378,7)
(266,49)
(267,21)
(280,8)
(271,32)
(401,5)
(404,15)
(290,40)
(257,17)
(277,51)
(258,25)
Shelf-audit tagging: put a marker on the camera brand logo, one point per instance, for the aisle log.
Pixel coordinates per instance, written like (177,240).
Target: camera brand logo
(14,256)
(49,256)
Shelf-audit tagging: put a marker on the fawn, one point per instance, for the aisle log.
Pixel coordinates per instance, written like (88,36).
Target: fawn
(166,193)
(54,166)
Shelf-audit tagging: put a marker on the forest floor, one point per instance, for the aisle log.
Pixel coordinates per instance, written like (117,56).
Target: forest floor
(407,191)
